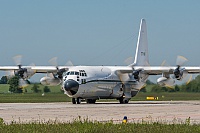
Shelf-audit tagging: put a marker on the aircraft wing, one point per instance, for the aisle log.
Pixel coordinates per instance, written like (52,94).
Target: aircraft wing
(8,68)
(47,69)
(37,69)
(158,70)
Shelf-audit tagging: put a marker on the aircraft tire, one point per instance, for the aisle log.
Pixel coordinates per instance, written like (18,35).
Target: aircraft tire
(78,100)
(126,101)
(91,101)
(121,100)
(73,101)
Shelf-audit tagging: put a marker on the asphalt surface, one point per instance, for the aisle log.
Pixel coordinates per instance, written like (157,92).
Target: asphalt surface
(137,111)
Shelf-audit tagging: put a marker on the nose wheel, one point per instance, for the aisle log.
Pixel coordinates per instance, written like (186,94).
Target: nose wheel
(76,100)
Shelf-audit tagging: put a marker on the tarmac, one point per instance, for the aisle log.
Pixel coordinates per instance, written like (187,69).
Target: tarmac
(136,111)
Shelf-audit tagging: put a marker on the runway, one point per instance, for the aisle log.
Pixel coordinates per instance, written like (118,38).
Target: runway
(136,111)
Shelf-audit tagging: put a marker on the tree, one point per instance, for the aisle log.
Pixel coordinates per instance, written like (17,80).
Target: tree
(193,86)
(4,80)
(35,88)
(143,89)
(148,82)
(46,89)
(14,85)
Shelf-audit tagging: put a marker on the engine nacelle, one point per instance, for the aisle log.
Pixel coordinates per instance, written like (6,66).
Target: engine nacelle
(179,74)
(50,81)
(24,73)
(163,81)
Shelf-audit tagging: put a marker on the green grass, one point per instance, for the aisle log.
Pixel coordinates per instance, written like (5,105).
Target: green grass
(33,98)
(168,96)
(97,127)
(57,96)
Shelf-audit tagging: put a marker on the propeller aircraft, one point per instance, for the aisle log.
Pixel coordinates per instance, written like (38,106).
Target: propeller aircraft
(106,82)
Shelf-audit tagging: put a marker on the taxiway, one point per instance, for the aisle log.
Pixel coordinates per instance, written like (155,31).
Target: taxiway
(136,111)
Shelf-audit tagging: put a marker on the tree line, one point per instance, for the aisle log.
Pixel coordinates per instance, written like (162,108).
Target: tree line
(14,85)
(193,86)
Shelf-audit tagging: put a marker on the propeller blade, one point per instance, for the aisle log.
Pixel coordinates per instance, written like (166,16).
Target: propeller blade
(124,77)
(129,61)
(180,61)
(10,73)
(171,87)
(187,79)
(17,59)
(22,83)
(69,63)
(53,61)
(50,75)
(164,63)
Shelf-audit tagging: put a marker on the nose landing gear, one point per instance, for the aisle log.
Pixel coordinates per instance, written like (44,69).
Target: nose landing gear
(76,100)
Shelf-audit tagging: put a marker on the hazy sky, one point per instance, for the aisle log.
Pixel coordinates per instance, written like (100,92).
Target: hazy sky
(97,32)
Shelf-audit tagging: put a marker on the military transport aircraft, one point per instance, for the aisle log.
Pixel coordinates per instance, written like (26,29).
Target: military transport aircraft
(107,82)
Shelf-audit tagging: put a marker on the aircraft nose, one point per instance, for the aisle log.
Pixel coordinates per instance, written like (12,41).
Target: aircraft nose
(71,85)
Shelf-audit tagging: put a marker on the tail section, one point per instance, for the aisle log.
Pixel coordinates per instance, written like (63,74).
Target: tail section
(142,55)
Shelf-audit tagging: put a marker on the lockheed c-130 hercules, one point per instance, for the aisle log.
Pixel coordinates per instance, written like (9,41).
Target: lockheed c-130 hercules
(107,82)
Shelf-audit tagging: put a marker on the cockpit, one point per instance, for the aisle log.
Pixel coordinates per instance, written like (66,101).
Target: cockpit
(80,73)
(72,73)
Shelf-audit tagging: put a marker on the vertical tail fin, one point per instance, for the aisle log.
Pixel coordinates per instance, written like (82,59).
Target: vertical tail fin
(141,55)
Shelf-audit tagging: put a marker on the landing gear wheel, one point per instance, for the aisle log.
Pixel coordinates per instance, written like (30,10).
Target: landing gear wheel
(73,101)
(78,100)
(121,100)
(126,101)
(91,101)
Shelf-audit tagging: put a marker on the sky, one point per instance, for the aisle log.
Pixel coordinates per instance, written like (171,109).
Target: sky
(98,32)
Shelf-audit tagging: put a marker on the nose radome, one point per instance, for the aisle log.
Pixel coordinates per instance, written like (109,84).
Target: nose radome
(71,85)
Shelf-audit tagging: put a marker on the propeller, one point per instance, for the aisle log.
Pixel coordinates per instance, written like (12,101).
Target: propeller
(59,72)
(179,72)
(135,73)
(20,72)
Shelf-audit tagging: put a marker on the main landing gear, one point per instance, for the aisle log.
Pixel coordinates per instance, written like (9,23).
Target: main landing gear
(78,101)
(122,100)
(90,101)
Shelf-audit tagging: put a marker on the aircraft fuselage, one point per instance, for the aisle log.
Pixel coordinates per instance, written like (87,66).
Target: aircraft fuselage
(99,82)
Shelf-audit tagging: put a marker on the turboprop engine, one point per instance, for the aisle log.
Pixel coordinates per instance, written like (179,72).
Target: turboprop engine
(24,73)
(163,81)
(50,81)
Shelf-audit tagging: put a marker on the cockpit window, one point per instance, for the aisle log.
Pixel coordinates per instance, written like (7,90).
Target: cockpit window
(68,73)
(72,73)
